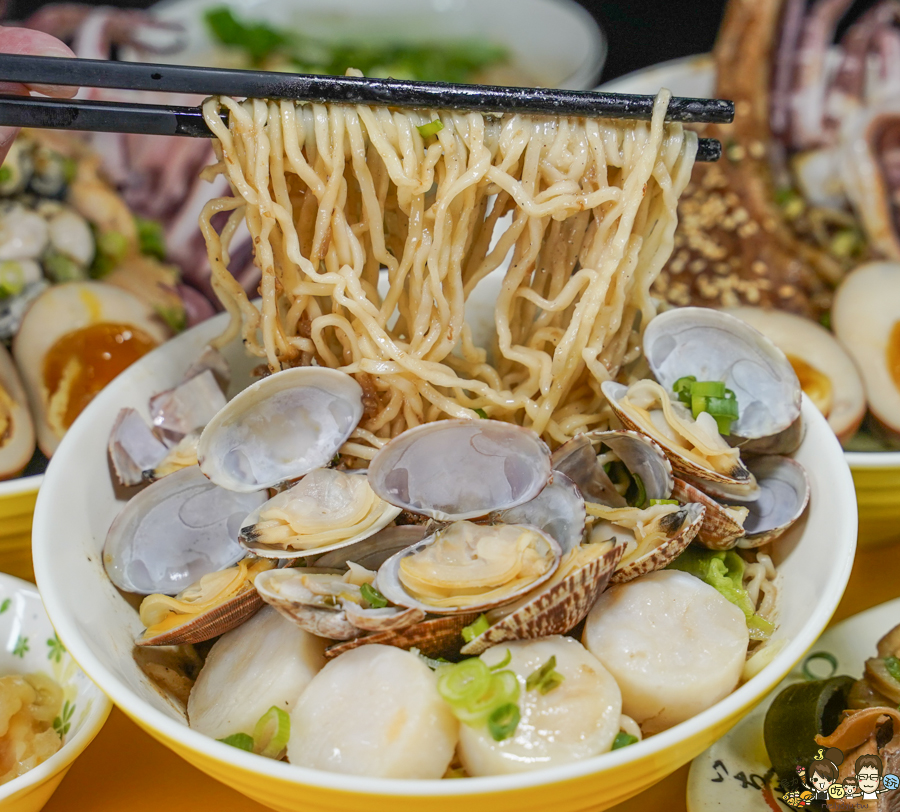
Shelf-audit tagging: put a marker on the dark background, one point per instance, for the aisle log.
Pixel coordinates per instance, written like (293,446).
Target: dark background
(640,32)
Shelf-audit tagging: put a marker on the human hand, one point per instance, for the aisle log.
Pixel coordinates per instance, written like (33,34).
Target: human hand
(37,43)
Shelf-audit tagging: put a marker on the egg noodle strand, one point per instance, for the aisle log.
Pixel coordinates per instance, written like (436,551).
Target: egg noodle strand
(371,239)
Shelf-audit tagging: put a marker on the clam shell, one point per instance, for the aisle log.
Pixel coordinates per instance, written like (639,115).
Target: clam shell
(461,469)
(785,442)
(668,551)
(372,552)
(280,428)
(218,620)
(716,346)
(720,529)
(553,610)
(784,496)
(738,477)
(434,637)
(388,583)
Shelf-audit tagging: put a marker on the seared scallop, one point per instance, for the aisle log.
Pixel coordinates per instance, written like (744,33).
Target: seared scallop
(16,428)
(74,339)
(866,318)
(826,371)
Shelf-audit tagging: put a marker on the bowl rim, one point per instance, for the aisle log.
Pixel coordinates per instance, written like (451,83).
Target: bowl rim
(169,729)
(20,485)
(71,749)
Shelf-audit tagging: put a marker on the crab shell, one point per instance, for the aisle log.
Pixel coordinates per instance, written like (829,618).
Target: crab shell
(668,551)
(335,624)
(212,623)
(434,637)
(738,477)
(554,608)
(722,525)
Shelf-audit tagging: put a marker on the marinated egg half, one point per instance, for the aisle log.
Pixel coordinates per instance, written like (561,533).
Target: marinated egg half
(16,428)
(74,339)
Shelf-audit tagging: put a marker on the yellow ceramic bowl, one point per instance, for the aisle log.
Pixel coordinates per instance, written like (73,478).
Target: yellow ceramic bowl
(28,644)
(77,504)
(17,498)
(876,474)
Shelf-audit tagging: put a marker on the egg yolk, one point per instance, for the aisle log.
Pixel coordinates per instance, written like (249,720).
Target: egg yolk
(816,384)
(82,362)
(6,416)
(893,354)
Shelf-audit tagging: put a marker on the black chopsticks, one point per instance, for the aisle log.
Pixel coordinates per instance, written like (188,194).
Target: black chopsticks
(168,120)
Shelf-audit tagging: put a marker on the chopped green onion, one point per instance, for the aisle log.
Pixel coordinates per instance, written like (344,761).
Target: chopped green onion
(682,388)
(503,722)
(151,238)
(820,655)
(12,278)
(62,268)
(243,741)
(70,169)
(271,734)
(111,247)
(432,128)
(892,665)
(464,682)
(433,663)
(503,688)
(708,389)
(640,499)
(623,739)
(5,174)
(760,628)
(481,413)
(654,502)
(470,632)
(545,679)
(374,598)
(504,662)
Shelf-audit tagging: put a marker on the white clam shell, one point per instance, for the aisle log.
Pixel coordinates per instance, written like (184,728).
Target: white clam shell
(715,346)
(784,495)
(280,428)
(461,469)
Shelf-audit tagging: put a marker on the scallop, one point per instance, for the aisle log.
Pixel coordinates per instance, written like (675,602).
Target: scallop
(374,711)
(174,532)
(266,662)
(827,373)
(714,346)
(866,318)
(576,720)
(280,428)
(673,644)
(461,469)
(74,339)
(16,427)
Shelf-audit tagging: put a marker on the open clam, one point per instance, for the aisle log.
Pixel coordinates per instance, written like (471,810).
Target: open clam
(784,495)
(217,603)
(586,458)
(722,525)
(331,604)
(468,567)
(280,428)
(174,532)
(372,552)
(461,469)
(325,510)
(653,537)
(558,605)
(715,346)
(693,446)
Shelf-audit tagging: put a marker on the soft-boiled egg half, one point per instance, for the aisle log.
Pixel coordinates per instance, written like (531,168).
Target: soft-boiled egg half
(74,339)
(16,428)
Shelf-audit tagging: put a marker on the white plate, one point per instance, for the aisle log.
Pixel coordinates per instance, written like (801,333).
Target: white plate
(729,775)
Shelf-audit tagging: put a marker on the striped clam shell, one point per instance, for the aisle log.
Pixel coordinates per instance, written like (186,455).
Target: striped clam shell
(434,637)
(666,552)
(721,528)
(220,619)
(555,609)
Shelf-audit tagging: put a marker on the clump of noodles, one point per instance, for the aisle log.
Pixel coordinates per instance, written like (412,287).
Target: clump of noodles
(760,581)
(333,194)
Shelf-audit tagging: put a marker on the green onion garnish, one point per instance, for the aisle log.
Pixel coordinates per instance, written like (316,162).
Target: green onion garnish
(641,499)
(432,128)
(465,681)
(503,722)
(481,413)
(151,237)
(243,741)
(271,734)
(708,396)
(682,388)
(474,692)
(820,655)
(504,662)
(470,632)
(5,174)
(12,278)
(892,666)
(623,739)
(433,663)
(502,688)
(374,598)
(664,502)
(545,679)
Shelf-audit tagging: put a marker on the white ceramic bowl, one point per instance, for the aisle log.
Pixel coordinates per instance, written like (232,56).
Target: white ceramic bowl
(28,644)
(77,504)
(555,41)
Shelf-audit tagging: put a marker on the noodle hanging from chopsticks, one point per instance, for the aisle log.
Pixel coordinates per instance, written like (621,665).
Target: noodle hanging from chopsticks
(334,194)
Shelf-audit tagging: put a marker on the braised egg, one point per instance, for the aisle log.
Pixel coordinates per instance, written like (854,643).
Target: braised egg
(16,427)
